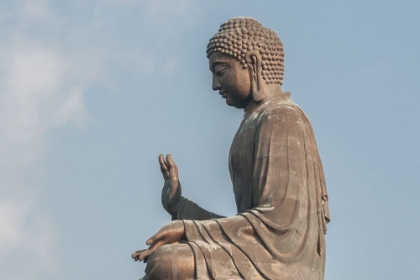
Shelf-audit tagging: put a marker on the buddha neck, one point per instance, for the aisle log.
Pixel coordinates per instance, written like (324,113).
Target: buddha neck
(271,91)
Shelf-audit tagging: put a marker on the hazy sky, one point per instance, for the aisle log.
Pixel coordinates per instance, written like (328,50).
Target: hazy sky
(91,92)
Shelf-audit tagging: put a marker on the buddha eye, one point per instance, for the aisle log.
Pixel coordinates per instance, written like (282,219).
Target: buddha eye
(220,72)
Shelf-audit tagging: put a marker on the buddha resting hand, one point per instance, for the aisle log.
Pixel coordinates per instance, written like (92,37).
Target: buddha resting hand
(169,234)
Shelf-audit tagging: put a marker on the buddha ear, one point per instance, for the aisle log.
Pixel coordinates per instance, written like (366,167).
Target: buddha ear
(253,58)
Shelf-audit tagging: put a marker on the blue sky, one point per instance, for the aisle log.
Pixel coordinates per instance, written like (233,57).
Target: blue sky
(91,92)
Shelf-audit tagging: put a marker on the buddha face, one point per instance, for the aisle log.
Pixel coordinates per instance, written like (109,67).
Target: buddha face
(231,80)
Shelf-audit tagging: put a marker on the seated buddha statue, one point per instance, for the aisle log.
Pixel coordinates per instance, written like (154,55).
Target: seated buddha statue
(276,172)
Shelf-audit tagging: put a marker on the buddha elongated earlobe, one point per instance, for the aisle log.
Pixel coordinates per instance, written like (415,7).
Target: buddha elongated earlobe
(253,59)
(254,83)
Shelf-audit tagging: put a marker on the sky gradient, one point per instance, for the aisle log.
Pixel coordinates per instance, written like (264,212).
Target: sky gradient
(91,92)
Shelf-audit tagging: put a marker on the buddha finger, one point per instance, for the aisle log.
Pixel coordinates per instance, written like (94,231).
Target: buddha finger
(163,166)
(151,241)
(165,173)
(170,162)
(144,255)
(155,240)
(136,254)
(162,162)
(173,172)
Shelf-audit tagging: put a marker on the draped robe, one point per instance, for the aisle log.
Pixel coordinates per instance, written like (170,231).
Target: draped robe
(281,198)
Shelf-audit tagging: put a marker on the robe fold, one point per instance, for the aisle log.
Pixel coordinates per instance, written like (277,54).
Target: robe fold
(281,198)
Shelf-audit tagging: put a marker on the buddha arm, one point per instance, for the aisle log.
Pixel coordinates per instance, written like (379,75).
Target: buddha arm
(189,210)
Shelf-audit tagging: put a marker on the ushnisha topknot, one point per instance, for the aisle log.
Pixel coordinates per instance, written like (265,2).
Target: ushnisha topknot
(239,35)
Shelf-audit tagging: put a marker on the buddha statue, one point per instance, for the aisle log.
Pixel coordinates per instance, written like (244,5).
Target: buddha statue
(276,172)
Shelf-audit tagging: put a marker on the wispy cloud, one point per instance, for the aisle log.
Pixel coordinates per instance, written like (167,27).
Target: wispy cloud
(27,238)
(44,76)
(34,100)
(37,94)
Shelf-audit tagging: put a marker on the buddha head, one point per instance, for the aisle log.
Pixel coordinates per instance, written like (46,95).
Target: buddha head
(253,57)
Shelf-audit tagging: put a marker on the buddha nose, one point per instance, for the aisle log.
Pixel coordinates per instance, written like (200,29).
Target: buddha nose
(216,83)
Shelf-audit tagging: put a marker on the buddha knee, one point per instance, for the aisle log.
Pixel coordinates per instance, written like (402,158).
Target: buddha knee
(159,265)
(174,261)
